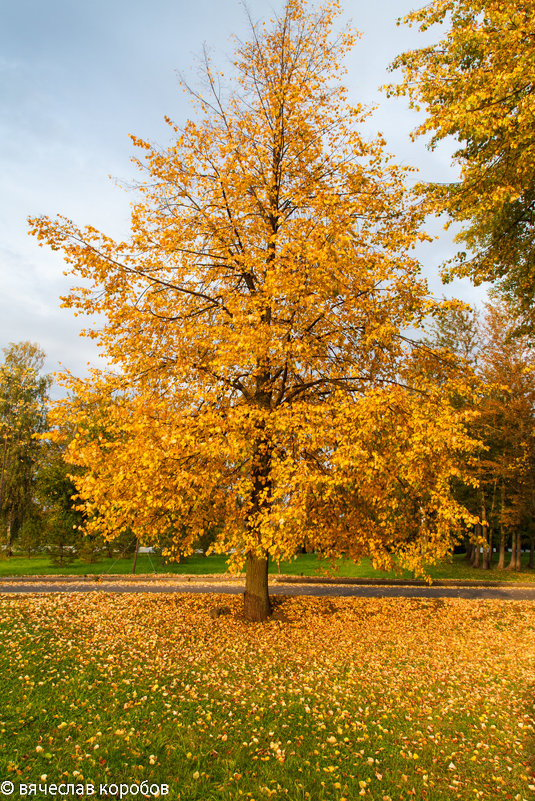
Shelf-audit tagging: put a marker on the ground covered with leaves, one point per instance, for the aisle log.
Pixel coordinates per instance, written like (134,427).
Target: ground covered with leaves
(385,699)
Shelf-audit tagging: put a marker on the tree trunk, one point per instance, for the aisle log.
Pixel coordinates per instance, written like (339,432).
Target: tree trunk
(487,553)
(512,561)
(501,558)
(518,560)
(135,556)
(531,563)
(2,471)
(469,551)
(256,603)
(476,553)
(485,532)
(9,534)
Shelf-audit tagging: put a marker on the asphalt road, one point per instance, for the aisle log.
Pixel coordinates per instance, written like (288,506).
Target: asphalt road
(502,592)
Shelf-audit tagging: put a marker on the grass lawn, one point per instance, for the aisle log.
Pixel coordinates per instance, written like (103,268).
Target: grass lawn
(348,698)
(304,565)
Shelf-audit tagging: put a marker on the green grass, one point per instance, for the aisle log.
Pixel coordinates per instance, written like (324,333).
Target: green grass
(41,565)
(303,565)
(454,568)
(389,700)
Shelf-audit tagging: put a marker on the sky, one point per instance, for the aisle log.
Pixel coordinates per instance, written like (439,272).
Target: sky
(76,78)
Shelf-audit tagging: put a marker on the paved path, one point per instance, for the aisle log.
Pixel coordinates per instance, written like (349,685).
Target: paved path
(503,592)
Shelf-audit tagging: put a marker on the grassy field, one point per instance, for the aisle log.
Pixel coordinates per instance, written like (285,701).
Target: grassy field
(304,565)
(337,699)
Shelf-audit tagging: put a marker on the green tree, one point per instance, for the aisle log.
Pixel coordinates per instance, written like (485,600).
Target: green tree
(55,491)
(507,371)
(455,338)
(32,531)
(456,329)
(476,85)
(23,414)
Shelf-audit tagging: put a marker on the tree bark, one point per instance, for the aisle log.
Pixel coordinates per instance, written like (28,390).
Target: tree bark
(476,553)
(518,560)
(256,603)
(469,551)
(512,561)
(485,532)
(135,556)
(9,536)
(501,558)
(487,554)
(256,597)
(2,471)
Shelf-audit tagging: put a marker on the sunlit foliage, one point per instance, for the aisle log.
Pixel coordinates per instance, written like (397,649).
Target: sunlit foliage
(257,322)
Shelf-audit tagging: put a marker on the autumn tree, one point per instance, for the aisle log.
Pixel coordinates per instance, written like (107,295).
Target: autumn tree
(507,421)
(502,368)
(61,523)
(257,330)
(475,84)
(455,338)
(23,414)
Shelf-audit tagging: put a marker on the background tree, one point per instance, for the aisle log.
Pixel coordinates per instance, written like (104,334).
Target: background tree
(507,370)
(502,369)
(23,414)
(476,85)
(256,321)
(31,535)
(61,522)
(456,329)
(455,339)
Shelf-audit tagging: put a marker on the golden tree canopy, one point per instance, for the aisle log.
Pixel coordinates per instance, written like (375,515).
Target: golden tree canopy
(256,326)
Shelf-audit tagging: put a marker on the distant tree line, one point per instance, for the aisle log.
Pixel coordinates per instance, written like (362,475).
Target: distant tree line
(499,362)
(37,494)
(36,507)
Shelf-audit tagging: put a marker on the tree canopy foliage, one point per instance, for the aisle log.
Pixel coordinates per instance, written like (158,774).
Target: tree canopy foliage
(256,329)
(507,369)
(23,414)
(499,364)
(476,84)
